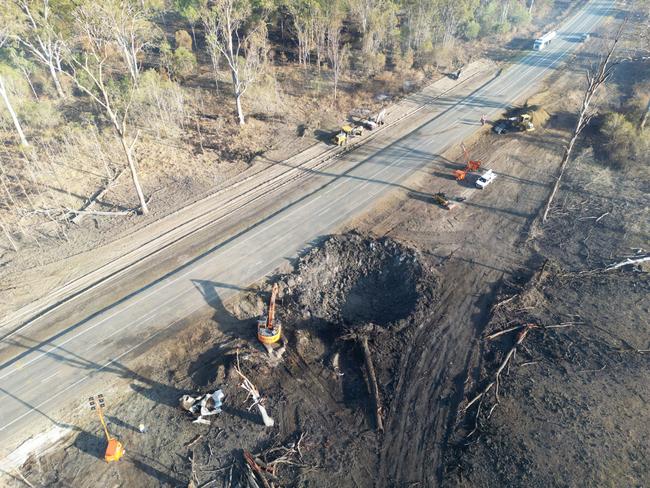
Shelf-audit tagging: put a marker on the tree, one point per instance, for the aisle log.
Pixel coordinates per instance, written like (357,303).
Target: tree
(336,52)
(5,95)
(127,24)
(40,34)
(237,33)
(5,98)
(300,11)
(96,72)
(594,82)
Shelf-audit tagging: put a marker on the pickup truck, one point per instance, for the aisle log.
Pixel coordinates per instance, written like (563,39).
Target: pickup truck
(485,179)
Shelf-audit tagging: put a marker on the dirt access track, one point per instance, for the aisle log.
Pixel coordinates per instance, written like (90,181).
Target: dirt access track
(483,235)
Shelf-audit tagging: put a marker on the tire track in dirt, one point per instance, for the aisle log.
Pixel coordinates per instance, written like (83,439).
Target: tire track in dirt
(418,425)
(483,243)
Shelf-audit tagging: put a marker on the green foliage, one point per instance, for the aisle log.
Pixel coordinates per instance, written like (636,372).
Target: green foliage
(33,113)
(183,63)
(621,142)
(41,114)
(373,63)
(488,17)
(179,63)
(190,9)
(518,15)
(470,30)
(183,39)
(503,27)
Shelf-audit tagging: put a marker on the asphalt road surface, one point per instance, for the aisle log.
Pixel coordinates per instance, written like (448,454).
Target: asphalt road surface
(40,376)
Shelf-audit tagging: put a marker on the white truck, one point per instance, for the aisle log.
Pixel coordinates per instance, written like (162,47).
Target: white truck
(485,179)
(544,41)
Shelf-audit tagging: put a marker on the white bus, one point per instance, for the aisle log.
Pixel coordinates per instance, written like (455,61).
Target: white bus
(544,41)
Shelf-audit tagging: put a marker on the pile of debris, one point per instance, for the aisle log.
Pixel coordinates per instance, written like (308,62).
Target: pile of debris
(203,406)
(352,279)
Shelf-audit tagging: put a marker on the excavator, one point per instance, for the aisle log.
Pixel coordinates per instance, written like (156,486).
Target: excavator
(470,166)
(441,199)
(268,330)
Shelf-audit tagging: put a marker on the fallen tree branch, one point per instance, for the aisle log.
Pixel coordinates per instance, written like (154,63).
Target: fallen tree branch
(501,332)
(91,212)
(94,198)
(254,393)
(627,262)
(503,302)
(524,329)
(361,336)
(372,379)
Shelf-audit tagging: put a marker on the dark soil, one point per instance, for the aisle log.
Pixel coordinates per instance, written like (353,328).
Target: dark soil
(347,281)
(352,279)
(572,406)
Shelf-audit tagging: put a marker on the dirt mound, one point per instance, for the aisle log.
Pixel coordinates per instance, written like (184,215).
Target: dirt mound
(353,279)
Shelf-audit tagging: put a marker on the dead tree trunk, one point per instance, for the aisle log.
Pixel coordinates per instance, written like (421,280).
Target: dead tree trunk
(128,151)
(644,119)
(372,380)
(12,112)
(604,71)
(361,336)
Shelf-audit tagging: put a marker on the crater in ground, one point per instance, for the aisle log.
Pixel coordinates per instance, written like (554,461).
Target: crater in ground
(353,279)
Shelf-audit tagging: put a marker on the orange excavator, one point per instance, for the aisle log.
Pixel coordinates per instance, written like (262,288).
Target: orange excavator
(470,166)
(268,330)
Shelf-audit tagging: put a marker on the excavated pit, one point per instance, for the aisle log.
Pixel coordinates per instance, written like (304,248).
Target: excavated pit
(352,279)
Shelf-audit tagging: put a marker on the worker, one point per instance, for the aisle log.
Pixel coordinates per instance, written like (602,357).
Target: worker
(483,119)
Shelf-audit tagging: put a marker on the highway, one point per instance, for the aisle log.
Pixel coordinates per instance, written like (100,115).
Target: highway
(42,377)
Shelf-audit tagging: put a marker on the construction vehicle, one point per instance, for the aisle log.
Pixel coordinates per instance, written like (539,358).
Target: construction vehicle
(346,133)
(268,329)
(470,166)
(114,449)
(442,200)
(525,123)
(518,123)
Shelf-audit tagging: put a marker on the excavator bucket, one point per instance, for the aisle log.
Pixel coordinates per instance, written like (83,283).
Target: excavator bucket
(269,330)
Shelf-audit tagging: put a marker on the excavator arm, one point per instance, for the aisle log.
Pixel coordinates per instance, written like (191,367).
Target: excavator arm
(271,315)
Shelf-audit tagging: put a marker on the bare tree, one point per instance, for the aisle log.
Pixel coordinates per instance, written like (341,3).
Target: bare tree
(41,38)
(300,15)
(127,23)
(336,52)
(594,82)
(5,95)
(93,73)
(12,112)
(644,118)
(245,52)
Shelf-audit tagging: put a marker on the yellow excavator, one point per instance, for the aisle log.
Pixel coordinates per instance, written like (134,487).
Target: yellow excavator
(269,331)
